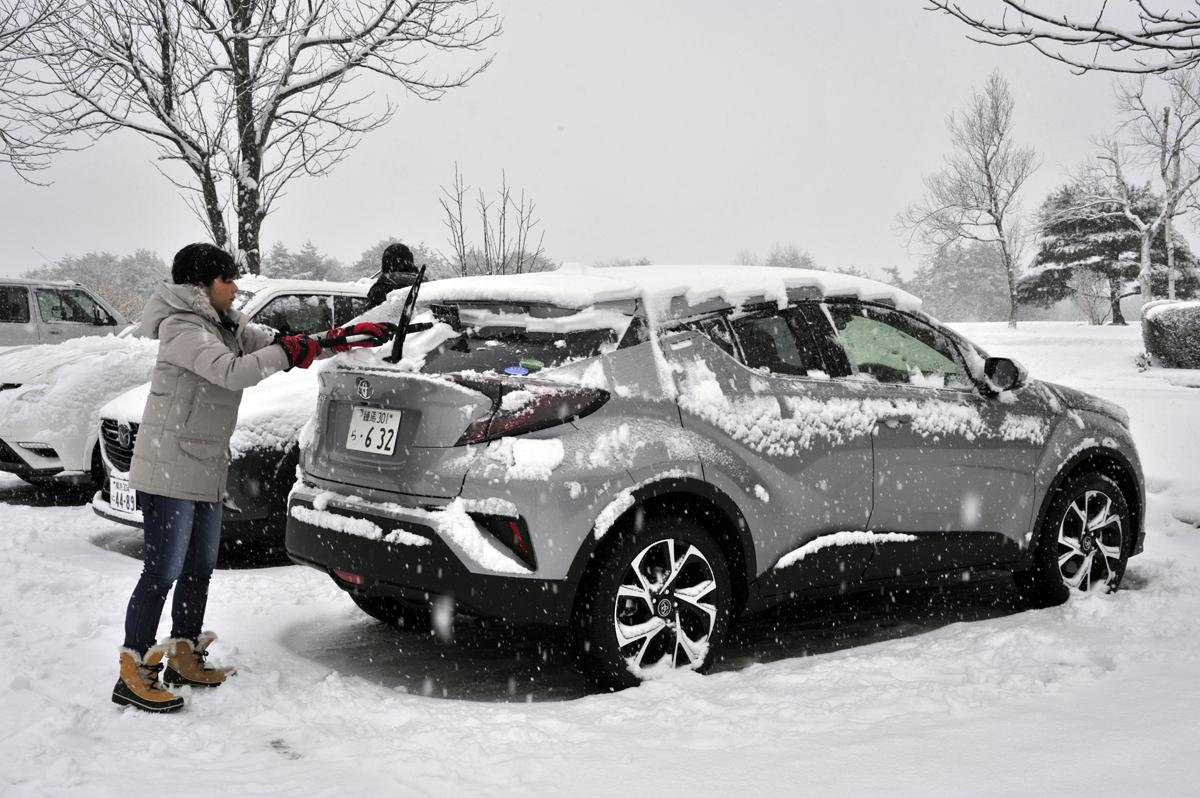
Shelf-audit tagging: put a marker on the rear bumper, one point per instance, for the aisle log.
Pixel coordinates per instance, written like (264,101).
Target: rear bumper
(416,572)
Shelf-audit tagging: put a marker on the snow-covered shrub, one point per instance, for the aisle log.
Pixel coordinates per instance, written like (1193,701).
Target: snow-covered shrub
(1171,333)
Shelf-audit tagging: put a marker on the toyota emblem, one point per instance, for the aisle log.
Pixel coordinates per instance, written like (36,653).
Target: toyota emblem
(364,388)
(124,435)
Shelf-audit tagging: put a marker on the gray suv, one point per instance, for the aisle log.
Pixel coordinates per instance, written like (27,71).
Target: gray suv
(642,454)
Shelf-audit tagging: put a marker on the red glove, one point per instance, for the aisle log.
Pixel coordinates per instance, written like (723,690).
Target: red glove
(380,331)
(301,350)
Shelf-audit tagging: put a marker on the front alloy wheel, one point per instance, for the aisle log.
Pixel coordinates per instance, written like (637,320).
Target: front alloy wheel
(1083,544)
(1091,542)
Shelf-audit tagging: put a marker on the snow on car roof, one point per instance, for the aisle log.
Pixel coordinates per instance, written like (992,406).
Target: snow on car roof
(578,286)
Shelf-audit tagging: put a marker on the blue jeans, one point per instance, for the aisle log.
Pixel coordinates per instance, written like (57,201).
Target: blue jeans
(180,550)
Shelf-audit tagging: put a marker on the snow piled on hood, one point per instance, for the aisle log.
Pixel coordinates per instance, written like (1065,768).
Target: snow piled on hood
(270,416)
(65,385)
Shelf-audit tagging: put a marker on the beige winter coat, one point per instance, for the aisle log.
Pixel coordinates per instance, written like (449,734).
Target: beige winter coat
(203,365)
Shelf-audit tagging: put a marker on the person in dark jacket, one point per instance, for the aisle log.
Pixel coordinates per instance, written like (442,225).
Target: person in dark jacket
(207,354)
(398,271)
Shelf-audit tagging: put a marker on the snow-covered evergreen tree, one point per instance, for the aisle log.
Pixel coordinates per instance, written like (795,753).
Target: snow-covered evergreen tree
(1083,242)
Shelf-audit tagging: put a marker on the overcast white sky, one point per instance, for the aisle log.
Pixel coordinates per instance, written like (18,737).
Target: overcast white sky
(682,131)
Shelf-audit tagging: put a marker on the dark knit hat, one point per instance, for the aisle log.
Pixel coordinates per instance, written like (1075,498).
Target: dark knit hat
(201,264)
(398,258)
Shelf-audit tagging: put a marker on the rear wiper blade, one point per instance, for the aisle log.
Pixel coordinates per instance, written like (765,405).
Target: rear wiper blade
(406,313)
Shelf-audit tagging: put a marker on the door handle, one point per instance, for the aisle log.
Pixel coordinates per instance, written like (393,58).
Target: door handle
(894,423)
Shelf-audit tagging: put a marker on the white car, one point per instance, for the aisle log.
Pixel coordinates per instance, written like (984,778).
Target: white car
(51,395)
(263,455)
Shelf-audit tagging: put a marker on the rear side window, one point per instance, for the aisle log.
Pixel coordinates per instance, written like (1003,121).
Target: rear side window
(297,313)
(779,344)
(70,304)
(14,304)
(714,329)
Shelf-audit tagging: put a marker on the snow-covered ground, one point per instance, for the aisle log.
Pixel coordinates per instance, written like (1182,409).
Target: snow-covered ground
(958,694)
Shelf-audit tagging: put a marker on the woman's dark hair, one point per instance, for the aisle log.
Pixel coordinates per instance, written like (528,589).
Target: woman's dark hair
(201,264)
(397,258)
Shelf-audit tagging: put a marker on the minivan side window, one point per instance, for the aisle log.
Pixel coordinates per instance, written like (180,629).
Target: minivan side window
(297,313)
(778,344)
(70,304)
(14,304)
(890,346)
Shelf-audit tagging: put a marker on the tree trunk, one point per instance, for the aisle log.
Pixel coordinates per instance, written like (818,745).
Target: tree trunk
(1170,242)
(1009,272)
(1114,299)
(1144,272)
(249,167)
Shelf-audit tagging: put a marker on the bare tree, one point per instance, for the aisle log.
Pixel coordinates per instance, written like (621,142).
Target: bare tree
(974,196)
(1103,183)
(240,97)
(1167,135)
(507,225)
(1127,36)
(1091,294)
(22,146)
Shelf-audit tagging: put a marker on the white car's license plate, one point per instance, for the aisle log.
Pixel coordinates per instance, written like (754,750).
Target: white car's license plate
(373,430)
(121,496)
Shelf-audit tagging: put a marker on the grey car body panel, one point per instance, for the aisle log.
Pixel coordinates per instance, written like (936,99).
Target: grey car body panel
(966,472)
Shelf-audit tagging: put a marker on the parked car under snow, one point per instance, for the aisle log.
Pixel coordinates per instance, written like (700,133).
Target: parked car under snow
(642,454)
(51,394)
(263,448)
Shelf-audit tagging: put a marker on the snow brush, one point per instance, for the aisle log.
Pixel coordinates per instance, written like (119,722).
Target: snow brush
(342,340)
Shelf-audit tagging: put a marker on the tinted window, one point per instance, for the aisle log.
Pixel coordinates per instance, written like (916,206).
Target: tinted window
(778,344)
(890,346)
(716,331)
(348,307)
(297,313)
(70,304)
(14,304)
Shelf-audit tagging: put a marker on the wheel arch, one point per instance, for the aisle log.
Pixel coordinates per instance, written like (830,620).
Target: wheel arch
(1098,460)
(686,497)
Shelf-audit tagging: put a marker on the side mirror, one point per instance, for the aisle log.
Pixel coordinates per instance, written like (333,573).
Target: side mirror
(1004,374)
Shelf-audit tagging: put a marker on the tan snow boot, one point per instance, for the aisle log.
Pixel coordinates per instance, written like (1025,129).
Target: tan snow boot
(139,686)
(186,665)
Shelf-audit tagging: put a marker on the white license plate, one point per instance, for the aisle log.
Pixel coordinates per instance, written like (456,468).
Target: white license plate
(373,430)
(121,496)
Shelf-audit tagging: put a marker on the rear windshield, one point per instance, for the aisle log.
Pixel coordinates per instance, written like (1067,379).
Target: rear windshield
(518,344)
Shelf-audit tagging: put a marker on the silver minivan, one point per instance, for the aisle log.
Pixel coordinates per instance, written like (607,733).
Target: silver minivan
(50,311)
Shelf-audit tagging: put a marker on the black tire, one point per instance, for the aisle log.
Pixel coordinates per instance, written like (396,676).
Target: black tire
(599,609)
(1065,537)
(395,612)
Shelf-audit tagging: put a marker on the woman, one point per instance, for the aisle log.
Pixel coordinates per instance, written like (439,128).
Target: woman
(207,355)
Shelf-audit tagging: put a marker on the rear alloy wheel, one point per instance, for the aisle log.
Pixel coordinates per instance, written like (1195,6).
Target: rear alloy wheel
(1084,542)
(660,600)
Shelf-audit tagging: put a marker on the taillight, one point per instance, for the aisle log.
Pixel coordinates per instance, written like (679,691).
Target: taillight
(546,406)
